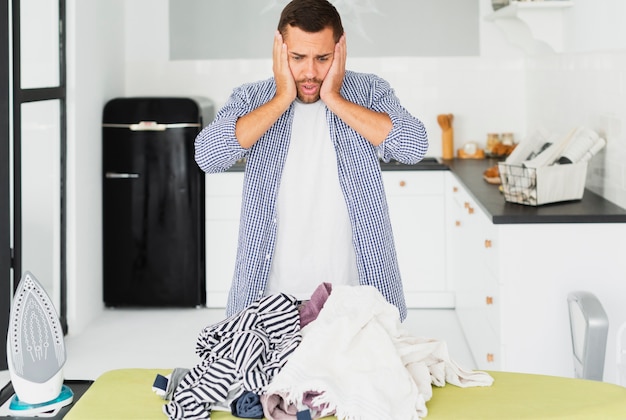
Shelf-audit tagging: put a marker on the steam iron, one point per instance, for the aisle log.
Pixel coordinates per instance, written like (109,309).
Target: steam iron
(36,353)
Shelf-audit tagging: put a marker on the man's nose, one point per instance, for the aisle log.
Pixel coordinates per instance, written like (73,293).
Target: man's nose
(310,69)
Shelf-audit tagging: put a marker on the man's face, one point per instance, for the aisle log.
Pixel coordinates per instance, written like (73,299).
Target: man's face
(310,58)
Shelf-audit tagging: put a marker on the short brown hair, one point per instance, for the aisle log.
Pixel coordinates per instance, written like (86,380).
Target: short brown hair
(311,16)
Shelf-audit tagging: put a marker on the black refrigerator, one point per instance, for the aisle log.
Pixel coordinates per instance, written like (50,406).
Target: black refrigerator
(153,202)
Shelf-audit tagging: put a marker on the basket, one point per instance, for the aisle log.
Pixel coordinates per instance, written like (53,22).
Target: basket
(546,184)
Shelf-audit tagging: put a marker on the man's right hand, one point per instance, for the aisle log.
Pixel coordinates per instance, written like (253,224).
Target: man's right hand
(253,125)
(285,83)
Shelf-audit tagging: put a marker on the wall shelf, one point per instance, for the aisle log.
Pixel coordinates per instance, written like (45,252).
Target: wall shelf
(535,26)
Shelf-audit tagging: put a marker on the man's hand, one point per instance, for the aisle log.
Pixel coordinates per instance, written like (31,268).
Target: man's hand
(252,126)
(374,126)
(331,87)
(285,83)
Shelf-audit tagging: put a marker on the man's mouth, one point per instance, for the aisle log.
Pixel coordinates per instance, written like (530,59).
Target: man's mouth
(309,88)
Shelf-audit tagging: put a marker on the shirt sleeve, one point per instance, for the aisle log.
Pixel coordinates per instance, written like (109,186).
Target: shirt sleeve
(216,146)
(407,141)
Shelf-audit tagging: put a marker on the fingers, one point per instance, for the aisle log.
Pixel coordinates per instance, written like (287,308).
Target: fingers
(339,58)
(341,50)
(285,84)
(334,79)
(277,51)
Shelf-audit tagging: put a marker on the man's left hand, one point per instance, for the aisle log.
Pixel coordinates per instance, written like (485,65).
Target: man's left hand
(334,79)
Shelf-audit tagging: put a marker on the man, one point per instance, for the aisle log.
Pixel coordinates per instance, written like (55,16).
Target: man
(314,208)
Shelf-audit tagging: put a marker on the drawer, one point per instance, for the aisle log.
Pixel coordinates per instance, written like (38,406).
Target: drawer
(414,182)
(484,344)
(488,241)
(491,301)
(486,351)
(457,193)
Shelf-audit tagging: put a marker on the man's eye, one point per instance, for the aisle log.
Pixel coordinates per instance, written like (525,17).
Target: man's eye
(322,59)
(296,58)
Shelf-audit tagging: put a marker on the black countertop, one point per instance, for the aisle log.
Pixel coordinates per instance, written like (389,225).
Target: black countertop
(426,164)
(591,209)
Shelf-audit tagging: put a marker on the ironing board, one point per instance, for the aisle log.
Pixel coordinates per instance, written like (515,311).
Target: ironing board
(126,394)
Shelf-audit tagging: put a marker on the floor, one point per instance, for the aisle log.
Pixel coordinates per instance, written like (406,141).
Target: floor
(165,338)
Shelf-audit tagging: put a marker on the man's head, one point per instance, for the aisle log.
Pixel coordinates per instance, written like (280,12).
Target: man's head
(310,28)
(310,16)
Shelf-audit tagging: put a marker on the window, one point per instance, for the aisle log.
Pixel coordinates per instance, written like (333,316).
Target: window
(32,151)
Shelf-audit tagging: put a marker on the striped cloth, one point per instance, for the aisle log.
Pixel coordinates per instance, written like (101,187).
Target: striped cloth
(242,353)
(359,174)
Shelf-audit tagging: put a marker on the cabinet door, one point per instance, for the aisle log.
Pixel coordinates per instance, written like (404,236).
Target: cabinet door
(473,260)
(417,211)
(223,206)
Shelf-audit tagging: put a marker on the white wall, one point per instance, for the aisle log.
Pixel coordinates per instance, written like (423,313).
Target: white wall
(502,90)
(478,90)
(119,48)
(587,85)
(95,73)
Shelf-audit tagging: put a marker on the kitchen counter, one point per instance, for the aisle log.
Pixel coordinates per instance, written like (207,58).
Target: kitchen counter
(591,209)
(426,164)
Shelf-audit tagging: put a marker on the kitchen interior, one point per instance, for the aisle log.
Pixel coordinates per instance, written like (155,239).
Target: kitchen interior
(551,65)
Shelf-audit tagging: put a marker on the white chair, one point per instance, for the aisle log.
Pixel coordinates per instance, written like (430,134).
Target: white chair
(589,326)
(621,355)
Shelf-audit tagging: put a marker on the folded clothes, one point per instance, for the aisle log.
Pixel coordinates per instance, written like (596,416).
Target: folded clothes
(247,406)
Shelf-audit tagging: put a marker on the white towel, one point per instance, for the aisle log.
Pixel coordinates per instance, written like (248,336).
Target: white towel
(365,364)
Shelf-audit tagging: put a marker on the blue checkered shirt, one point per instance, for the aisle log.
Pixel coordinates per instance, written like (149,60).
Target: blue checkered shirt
(217,149)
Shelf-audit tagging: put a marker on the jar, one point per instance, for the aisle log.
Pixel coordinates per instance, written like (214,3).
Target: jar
(492,140)
(508,139)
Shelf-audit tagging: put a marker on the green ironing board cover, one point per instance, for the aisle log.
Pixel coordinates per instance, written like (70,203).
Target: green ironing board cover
(127,394)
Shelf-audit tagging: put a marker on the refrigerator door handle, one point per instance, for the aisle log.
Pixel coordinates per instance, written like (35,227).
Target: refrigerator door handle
(150,126)
(120,175)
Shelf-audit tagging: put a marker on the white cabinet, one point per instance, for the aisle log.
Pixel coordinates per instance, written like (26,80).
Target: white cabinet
(472,256)
(417,210)
(536,27)
(223,206)
(512,281)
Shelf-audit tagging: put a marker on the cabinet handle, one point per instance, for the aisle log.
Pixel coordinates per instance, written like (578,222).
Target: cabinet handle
(470,210)
(490,358)
(457,223)
(489,300)
(487,243)
(402,183)
(120,175)
(466,205)
(455,189)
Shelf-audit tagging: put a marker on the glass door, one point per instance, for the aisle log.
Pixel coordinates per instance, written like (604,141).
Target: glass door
(5,184)
(32,151)
(39,144)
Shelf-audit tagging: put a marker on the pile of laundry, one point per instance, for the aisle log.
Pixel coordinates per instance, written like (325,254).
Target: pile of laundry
(343,353)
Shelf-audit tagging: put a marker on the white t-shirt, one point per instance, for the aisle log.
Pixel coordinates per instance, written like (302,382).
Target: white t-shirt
(314,236)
